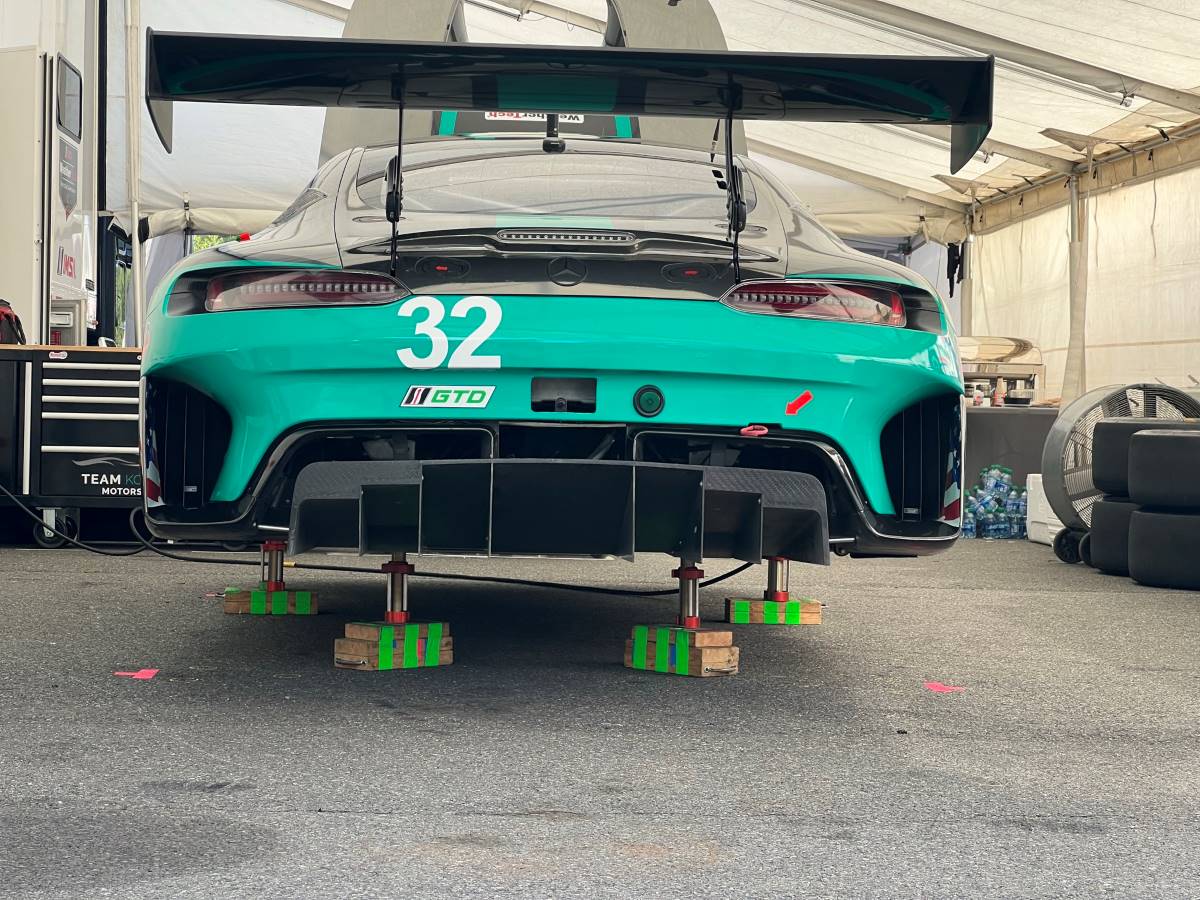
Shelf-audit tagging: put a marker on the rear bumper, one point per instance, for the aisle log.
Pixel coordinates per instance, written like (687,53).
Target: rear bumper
(519,505)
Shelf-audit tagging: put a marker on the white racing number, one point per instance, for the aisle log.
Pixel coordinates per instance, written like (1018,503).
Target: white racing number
(464,356)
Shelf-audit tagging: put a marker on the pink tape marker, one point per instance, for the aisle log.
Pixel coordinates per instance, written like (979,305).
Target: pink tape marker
(139,675)
(938,688)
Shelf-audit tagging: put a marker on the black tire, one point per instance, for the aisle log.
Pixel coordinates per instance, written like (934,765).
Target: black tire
(1164,548)
(1066,545)
(1085,550)
(1111,442)
(48,540)
(1163,467)
(1109,538)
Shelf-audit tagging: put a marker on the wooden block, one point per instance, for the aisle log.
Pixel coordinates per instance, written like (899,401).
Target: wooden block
(351,653)
(697,637)
(682,659)
(369,631)
(270,603)
(772,612)
(412,645)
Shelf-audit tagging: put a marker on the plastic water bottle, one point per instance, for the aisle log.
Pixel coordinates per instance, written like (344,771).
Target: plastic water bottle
(968,525)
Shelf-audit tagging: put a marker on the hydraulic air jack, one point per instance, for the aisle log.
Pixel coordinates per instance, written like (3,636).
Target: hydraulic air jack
(777,606)
(271,597)
(396,642)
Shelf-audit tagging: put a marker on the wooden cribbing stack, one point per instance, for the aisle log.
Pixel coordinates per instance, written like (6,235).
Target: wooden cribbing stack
(776,606)
(772,612)
(673,650)
(261,602)
(380,646)
(271,597)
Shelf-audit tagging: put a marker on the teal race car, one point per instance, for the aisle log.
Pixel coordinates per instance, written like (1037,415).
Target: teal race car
(548,341)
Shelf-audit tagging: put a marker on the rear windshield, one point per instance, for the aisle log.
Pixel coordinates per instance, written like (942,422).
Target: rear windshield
(591,184)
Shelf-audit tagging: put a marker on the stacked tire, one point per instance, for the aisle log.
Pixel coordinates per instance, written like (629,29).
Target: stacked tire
(1164,532)
(1109,542)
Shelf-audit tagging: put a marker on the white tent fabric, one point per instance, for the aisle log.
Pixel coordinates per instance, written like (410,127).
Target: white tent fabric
(1143,321)
(261,155)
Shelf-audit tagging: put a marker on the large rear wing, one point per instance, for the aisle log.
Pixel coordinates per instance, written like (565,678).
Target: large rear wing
(343,72)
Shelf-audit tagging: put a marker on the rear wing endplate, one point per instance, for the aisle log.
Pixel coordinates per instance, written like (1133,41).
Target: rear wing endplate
(343,72)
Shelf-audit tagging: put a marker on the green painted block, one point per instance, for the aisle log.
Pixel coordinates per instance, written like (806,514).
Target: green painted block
(682,654)
(433,644)
(662,650)
(412,638)
(641,635)
(303,603)
(258,603)
(741,612)
(387,646)
(279,603)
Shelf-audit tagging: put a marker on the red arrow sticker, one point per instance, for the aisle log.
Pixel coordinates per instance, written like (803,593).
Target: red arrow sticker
(139,675)
(938,688)
(799,403)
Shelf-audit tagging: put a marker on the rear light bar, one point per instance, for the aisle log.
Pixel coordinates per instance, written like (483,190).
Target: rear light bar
(841,301)
(274,288)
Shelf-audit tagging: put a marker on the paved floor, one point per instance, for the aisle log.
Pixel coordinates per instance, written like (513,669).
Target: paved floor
(537,766)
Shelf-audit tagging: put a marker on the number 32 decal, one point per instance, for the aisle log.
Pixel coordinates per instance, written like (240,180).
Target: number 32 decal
(464,356)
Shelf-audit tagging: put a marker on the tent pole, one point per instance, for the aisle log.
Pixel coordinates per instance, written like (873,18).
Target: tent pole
(133,136)
(1075,371)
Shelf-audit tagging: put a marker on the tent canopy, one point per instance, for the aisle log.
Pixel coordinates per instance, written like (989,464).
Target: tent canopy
(1126,72)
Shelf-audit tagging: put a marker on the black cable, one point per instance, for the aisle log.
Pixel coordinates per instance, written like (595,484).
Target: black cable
(445,576)
(147,545)
(66,537)
(555,585)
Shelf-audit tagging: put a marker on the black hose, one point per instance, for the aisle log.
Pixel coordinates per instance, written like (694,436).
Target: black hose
(555,585)
(66,537)
(312,567)
(213,560)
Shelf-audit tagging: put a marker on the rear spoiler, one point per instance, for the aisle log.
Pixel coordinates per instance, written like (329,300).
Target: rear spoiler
(792,87)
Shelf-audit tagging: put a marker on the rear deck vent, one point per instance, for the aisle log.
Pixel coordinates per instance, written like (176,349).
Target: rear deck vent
(556,236)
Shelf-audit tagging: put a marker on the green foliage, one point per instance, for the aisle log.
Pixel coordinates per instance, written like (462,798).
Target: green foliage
(205,241)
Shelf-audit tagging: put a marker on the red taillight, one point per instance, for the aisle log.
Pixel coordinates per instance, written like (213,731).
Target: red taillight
(842,301)
(267,289)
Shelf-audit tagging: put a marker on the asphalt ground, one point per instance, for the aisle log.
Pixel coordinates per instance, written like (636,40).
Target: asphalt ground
(537,766)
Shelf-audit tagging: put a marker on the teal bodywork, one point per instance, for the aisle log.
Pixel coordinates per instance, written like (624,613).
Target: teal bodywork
(717,366)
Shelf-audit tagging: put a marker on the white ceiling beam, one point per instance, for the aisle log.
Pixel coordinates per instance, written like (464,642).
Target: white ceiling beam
(321,7)
(1041,60)
(1012,151)
(550,11)
(875,183)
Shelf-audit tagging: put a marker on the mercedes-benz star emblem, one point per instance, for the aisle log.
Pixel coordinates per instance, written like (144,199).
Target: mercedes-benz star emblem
(566,271)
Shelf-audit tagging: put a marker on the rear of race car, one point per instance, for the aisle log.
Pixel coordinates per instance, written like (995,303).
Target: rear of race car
(555,355)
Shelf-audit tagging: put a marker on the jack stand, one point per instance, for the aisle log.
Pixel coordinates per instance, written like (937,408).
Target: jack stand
(685,649)
(396,642)
(777,606)
(777,580)
(689,595)
(271,597)
(397,571)
(271,566)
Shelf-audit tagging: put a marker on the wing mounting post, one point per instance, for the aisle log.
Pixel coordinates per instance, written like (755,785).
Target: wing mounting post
(736,203)
(394,204)
(552,143)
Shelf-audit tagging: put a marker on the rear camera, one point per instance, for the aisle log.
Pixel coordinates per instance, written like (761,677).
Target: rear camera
(649,401)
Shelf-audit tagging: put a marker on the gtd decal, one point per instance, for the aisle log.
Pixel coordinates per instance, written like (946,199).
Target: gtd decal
(433,312)
(449,396)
